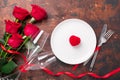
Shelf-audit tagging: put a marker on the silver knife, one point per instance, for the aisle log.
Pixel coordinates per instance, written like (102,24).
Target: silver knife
(104,29)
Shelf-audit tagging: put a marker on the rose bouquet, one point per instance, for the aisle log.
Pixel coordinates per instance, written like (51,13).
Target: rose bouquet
(20,38)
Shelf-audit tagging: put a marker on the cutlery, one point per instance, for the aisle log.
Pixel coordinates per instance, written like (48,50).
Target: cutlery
(104,29)
(103,39)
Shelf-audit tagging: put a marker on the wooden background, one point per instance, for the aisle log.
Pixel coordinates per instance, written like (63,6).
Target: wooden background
(95,12)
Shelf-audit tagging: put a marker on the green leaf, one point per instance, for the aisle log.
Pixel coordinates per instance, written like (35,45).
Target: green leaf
(9,67)
(3,61)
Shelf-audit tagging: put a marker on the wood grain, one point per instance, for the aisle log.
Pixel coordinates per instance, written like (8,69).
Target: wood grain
(95,12)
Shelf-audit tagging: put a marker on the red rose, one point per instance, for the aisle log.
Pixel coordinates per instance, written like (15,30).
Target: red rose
(31,30)
(15,40)
(20,13)
(12,27)
(38,13)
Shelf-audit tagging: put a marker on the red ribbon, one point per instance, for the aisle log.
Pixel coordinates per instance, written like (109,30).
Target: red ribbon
(13,52)
(70,74)
(75,67)
(8,51)
(97,48)
(23,67)
(83,74)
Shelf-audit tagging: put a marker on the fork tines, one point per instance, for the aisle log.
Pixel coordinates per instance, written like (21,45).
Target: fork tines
(109,34)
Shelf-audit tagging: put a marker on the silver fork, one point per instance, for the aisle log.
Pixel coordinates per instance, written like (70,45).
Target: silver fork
(103,39)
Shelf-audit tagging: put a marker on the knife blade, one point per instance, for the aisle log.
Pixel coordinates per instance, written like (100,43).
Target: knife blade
(103,31)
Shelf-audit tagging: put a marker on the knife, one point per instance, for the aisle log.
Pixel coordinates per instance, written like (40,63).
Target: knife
(104,29)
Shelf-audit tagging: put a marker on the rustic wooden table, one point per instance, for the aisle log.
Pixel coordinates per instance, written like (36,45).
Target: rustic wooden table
(95,12)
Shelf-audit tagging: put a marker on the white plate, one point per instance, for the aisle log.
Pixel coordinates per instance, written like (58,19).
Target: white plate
(60,41)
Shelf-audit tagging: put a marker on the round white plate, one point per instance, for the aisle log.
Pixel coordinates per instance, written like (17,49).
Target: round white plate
(60,41)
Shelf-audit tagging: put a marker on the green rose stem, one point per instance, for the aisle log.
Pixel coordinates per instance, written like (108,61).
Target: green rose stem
(25,41)
(6,52)
(6,40)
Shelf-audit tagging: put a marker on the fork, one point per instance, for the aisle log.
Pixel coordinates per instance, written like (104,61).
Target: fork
(103,39)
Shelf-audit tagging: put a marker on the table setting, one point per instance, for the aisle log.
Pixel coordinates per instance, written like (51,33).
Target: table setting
(35,43)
